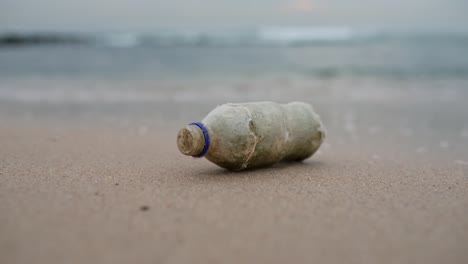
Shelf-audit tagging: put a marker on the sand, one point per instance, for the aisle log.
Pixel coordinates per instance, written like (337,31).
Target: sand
(92,184)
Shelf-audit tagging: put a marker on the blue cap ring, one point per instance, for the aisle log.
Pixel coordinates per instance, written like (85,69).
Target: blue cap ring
(205,135)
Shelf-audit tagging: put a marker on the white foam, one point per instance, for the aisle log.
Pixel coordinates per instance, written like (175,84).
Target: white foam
(444,144)
(421,150)
(460,162)
(464,132)
(305,34)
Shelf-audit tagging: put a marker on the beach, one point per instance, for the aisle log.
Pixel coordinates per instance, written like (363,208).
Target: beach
(90,171)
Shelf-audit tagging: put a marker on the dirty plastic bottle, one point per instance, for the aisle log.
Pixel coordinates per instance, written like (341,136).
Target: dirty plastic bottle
(251,135)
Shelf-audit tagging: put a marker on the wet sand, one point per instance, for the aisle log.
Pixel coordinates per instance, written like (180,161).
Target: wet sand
(106,184)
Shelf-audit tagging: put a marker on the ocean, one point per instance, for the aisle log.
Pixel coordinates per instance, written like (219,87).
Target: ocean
(221,66)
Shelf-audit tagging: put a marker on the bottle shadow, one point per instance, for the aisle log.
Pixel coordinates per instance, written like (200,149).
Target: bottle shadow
(294,169)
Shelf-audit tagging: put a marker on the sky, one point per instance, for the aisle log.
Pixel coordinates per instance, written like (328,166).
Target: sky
(207,15)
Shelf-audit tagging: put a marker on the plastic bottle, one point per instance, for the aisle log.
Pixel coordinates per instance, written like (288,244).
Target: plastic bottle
(251,135)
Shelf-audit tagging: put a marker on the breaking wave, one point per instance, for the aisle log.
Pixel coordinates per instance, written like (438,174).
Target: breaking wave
(270,36)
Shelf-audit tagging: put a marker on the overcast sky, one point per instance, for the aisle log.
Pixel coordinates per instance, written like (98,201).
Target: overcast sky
(205,15)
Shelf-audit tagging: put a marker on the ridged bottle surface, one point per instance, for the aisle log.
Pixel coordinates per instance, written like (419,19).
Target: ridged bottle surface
(250,135)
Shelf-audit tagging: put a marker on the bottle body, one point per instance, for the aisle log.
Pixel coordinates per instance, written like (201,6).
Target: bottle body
(250,135)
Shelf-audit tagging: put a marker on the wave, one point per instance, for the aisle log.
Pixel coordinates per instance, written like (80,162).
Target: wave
(26,39)
(297,35)
(268,36)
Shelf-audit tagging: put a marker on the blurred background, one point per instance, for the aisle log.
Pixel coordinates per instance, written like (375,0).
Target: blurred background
(176,60)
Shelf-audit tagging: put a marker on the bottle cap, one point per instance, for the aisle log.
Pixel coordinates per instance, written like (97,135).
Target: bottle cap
(193,140)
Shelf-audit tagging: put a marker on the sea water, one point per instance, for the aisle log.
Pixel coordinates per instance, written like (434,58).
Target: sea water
(316,52)
(273,63)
